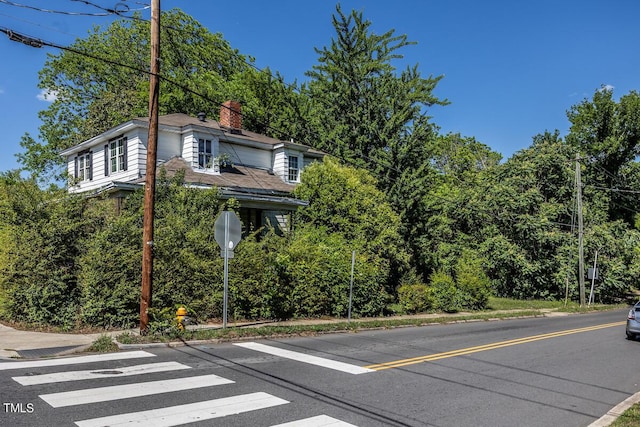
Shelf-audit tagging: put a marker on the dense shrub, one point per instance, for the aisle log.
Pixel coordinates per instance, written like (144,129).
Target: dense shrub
(446,296)
(111,274)
(187,267)
(415,298)
(316,266)
(346,201)
(255,287)
(473,285)
(42,233)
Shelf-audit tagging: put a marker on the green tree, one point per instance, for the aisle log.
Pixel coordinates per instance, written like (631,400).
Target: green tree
(606,133)
(530,201)
(363,109)
(441,199)
(345,200)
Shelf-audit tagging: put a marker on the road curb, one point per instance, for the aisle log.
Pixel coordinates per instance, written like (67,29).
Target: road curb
(616,411)
(172,344)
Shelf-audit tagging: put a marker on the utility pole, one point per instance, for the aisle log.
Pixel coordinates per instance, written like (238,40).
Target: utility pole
(150,179)
(580,233)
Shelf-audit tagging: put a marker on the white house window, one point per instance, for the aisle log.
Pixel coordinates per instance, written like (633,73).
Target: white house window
(294,170)
(84,167)
(116,155)
(205,154)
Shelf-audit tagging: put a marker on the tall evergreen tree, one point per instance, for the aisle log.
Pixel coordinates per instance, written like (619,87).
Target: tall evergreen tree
(363,109)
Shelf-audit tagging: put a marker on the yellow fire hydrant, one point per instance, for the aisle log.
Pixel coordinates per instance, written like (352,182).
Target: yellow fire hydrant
(181,313)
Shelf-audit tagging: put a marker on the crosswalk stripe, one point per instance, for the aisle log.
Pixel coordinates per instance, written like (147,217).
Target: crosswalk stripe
(306,358)
(189,413)
(58,377)
(125,391)
(319,421)
(75,360)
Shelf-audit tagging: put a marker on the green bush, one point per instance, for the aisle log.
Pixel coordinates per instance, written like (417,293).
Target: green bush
(41,238)
(316,270)
(415,298)
(446,296)
(255,287)
(111,274)
(473,285)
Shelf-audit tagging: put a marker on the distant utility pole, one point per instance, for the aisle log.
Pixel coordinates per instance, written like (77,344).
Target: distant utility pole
(150,179)
(580,233)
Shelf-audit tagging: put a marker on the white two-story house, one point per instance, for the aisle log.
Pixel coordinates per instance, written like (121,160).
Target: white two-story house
(258,171)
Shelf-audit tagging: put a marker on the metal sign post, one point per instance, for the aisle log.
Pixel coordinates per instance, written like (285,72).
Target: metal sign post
(353,263)
(228,232)
(594,275)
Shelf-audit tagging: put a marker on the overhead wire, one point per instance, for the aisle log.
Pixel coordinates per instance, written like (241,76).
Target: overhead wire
(107,11)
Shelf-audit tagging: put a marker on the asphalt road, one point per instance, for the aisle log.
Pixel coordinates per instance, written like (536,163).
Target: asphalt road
(560,371)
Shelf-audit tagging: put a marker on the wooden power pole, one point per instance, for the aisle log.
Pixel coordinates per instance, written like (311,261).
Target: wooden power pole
(150,179)
(580,233)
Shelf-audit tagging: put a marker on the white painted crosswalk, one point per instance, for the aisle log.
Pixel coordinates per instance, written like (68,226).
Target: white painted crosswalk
(104,373)
(182,414)
(75,360)
(125,391)
(319,421)
(165,416)
(306,358)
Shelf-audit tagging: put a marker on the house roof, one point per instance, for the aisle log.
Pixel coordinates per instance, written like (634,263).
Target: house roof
(237,178)
(184,121)
(179,122)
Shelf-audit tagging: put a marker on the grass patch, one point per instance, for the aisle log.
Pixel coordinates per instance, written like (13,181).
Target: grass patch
(104,344)
(301,329)
(629,418)
(496,303)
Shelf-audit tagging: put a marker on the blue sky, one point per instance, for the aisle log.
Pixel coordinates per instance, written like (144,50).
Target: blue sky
(511,68)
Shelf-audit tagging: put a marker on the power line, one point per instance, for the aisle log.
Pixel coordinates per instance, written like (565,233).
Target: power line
(38,24)
(124,8)
(613,190)
(107,11)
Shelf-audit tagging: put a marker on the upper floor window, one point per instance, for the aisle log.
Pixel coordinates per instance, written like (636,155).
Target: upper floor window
(115,155)
(294,169)
(84,167)
(205,154)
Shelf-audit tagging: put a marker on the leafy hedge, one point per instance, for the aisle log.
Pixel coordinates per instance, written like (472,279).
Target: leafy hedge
(73,261)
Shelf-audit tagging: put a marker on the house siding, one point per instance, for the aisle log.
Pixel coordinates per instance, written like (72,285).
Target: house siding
(169,145)
(246,155)
(134,150)
(279,163)
(279,220)
(190,149)
(141,153)
(307,161)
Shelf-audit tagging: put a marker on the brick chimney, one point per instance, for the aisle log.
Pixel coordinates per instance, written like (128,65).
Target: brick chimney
(231,115)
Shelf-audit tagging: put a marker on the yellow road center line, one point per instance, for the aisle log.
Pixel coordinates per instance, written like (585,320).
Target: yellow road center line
(485,347)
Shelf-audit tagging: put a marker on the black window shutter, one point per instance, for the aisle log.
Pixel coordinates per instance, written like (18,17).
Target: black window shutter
(106,160)
(124,151)
(75,172)
(90,160)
